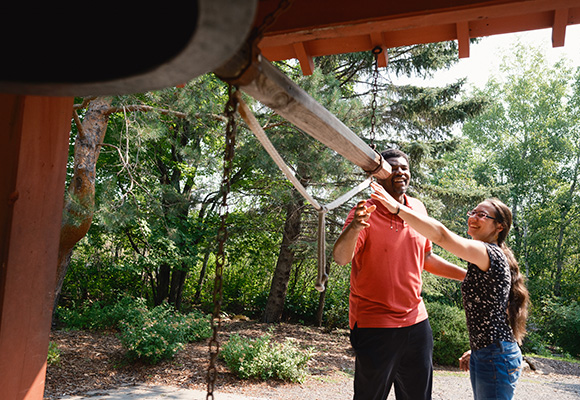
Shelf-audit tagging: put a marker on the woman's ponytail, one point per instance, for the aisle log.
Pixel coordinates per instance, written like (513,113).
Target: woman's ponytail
(519,298)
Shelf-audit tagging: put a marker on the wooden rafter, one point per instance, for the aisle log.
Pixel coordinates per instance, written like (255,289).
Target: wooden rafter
(559,28)
(267,84)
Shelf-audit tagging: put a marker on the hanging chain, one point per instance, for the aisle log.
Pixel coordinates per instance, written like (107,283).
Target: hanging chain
(376,51)
(230,138)
(269,20)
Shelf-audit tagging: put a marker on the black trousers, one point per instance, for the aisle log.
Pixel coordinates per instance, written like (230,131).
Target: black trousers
(399,356)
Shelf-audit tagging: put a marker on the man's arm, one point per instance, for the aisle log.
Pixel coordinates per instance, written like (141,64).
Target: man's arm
(343,251)
(441,267)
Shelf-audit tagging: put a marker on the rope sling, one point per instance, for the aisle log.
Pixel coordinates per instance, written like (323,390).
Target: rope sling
(255,127)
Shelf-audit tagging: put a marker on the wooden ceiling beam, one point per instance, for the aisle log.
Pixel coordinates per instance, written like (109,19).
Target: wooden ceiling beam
(267,84)
(559,27)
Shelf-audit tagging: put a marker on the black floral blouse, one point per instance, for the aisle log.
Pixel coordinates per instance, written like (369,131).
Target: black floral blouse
(485,298)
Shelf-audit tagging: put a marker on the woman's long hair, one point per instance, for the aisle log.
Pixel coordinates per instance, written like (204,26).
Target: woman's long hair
(519,298)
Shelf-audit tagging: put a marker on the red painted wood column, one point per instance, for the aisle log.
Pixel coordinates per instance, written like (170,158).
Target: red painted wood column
(34,136)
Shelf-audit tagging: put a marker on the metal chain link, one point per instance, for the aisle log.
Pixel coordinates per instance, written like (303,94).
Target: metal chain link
(269,20)
(230,142)
(376,51)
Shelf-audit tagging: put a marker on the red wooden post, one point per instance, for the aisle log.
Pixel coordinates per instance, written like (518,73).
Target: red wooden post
(34,136)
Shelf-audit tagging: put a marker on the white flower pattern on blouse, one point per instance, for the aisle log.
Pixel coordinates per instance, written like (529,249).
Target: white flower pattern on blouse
(485,298)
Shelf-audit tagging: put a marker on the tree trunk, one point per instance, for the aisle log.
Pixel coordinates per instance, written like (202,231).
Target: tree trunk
(162,284)
(202,275)
(175,205)
(292,226)
(177,282)
(80,196)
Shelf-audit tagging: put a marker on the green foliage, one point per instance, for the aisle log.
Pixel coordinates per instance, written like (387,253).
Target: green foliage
(157,334)
(149,335)
(53,357)
(98,315)
(560,322)
(265,359)
(535,343)
(450,335)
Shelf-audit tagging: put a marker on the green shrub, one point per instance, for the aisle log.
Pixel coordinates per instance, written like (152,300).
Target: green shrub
(196,326)
(98,315)
(450,335)
(157,334)
(53,357)
(536,344)
(561,323)
(261,358)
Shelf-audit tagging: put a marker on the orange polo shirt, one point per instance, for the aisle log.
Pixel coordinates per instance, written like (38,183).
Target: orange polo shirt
(385,280)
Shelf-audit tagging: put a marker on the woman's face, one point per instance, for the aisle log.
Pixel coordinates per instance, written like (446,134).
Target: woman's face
(482,224)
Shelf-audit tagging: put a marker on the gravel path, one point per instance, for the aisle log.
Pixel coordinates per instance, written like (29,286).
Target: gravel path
(448,385)
(92,368)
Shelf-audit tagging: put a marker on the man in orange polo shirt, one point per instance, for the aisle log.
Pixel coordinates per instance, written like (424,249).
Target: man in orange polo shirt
(390,331)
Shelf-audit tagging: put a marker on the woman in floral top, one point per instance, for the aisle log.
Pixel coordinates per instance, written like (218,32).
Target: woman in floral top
(495,297)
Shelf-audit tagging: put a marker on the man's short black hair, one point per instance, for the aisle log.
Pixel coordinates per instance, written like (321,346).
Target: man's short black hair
(393,153)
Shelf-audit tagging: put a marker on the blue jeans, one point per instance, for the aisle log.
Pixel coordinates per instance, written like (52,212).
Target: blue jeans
(494,371)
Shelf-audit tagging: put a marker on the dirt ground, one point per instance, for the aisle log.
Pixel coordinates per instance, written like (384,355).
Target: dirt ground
(92,362)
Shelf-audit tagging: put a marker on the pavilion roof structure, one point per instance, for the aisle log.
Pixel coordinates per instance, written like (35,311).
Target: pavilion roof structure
(308,29)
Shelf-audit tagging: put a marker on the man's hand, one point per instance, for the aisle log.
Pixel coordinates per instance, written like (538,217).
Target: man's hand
(362,214)
(345,245)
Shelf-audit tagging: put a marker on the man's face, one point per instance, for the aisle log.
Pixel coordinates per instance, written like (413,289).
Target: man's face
(398,182)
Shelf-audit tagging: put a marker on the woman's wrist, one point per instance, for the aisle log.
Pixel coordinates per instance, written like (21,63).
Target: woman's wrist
(397,212)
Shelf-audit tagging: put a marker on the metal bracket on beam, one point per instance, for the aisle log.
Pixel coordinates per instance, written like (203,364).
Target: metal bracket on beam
(383,57)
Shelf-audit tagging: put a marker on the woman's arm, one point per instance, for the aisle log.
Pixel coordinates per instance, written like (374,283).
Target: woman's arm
(441,267)
(469,250)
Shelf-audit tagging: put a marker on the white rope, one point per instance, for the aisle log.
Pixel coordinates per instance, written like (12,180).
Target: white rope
(347,196)
(255,127)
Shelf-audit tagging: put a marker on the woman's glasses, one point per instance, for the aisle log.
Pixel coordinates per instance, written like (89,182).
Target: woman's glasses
(479,214)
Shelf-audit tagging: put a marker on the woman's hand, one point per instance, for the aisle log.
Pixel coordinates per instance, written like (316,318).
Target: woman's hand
(464,360)
(385,198)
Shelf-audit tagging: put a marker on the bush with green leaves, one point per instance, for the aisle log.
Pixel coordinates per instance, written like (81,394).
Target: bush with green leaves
(53,356)
(560,322)
(450,334)
(264,359)
(158,334)
(535,343)
(98,315)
